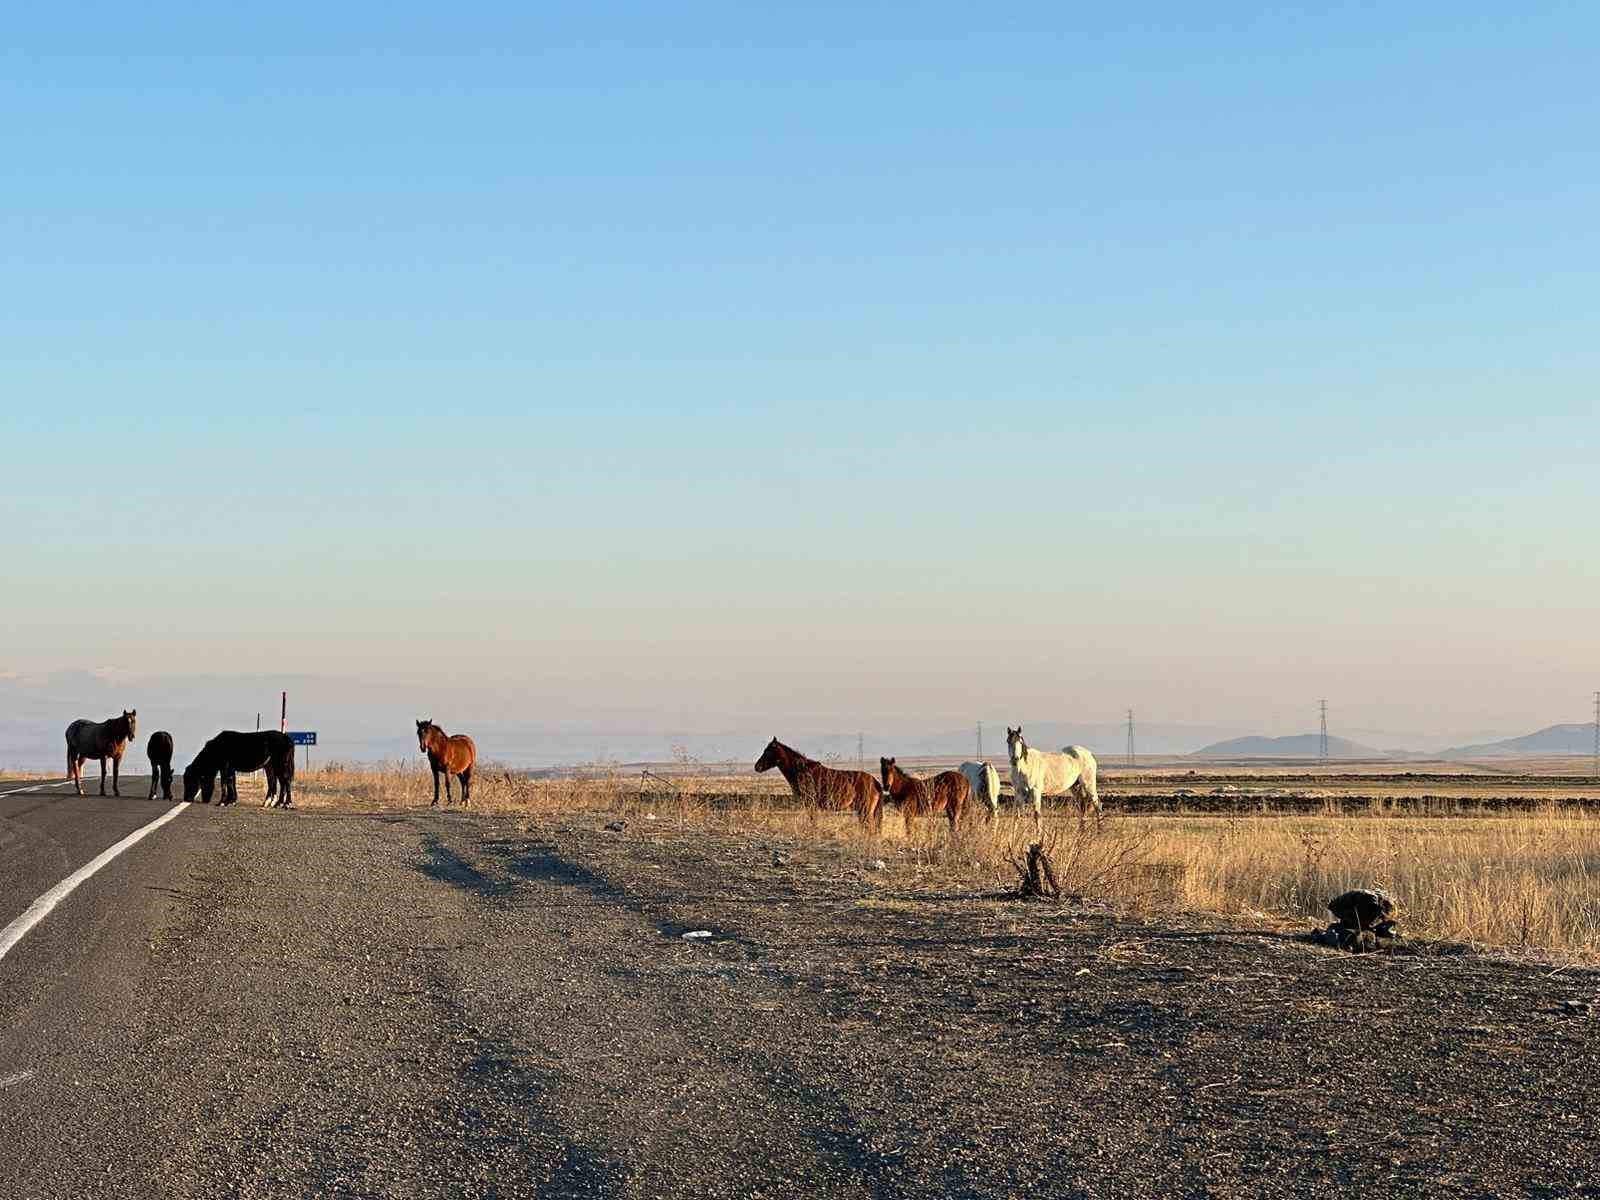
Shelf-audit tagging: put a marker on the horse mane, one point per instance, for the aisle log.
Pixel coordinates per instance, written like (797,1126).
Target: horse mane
(792,764)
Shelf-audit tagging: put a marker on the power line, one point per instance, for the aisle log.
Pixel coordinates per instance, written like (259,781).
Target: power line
(1131,758)
(1322,749)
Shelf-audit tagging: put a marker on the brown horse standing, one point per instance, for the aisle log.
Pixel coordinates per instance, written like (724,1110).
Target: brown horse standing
(159,751)
(948,791)
(825,787)
(102,740)
(448,755)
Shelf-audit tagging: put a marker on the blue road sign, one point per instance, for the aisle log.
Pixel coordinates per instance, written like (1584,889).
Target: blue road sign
(303,737)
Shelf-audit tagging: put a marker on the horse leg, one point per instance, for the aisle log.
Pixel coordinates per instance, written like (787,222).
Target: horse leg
(285,798)
(166,783)
(116,774)
(466,787)
(102,775)
(447,800)
(435,803)
(74,774)
(155,778)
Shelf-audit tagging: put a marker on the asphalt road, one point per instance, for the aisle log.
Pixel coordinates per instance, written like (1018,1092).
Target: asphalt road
(328,1002)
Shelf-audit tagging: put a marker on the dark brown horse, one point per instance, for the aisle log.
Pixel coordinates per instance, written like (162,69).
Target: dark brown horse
(824,787)
(448,754)
(159,751)
(102,740)
(947,792)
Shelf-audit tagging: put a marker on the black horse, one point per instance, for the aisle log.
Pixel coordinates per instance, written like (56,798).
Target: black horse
(159,751)
(231,752)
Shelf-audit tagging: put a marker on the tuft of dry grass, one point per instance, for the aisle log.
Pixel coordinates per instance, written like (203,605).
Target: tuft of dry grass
(1523,879)
(494,789)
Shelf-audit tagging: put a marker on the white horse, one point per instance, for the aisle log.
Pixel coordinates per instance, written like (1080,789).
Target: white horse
(1036,774)
(985,783)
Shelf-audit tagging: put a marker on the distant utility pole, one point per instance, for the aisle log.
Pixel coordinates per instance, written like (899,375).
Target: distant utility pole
(1597,735)
(1130,740)
(980,739)
(1322,750)
(861,750)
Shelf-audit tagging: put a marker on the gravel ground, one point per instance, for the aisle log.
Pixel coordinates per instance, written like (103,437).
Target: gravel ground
(448,1004)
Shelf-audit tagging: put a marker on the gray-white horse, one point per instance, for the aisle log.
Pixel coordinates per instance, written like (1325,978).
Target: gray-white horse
(1036,774)
(985,783)
(102,740)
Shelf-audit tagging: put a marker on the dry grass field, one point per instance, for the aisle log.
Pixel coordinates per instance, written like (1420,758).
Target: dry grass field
(1515,863)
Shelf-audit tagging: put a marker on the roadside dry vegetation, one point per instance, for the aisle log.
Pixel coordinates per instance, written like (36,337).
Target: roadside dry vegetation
(1528,878)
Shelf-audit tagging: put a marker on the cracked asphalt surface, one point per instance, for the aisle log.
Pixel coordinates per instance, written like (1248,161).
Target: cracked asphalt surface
(426,1004)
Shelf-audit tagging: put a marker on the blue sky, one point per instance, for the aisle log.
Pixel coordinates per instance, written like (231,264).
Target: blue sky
(873,363)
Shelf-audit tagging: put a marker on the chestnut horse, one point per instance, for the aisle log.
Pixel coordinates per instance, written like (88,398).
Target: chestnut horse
(448,754)
(102,740)
(159,751)
(948,791)
(825,787)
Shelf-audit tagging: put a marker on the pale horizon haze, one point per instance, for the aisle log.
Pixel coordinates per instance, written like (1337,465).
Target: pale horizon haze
(601,375)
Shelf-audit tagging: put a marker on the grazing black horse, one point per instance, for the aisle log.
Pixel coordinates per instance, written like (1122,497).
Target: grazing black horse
(231,752)
(159,751)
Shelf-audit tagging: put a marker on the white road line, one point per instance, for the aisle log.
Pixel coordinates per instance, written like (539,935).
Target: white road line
(19,1077)
(34,787)
(40,908)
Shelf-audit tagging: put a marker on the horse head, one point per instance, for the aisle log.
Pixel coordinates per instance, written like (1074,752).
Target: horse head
(887,769)
(131,716)
(422,734)
(197,782)
(769,756)
(1015,746)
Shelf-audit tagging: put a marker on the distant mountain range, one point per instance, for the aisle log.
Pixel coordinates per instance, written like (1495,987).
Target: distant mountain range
(359,722)
(373,722)
(1298,745)
(1553,739)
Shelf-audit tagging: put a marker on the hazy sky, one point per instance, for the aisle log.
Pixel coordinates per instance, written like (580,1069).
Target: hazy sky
(899,363)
